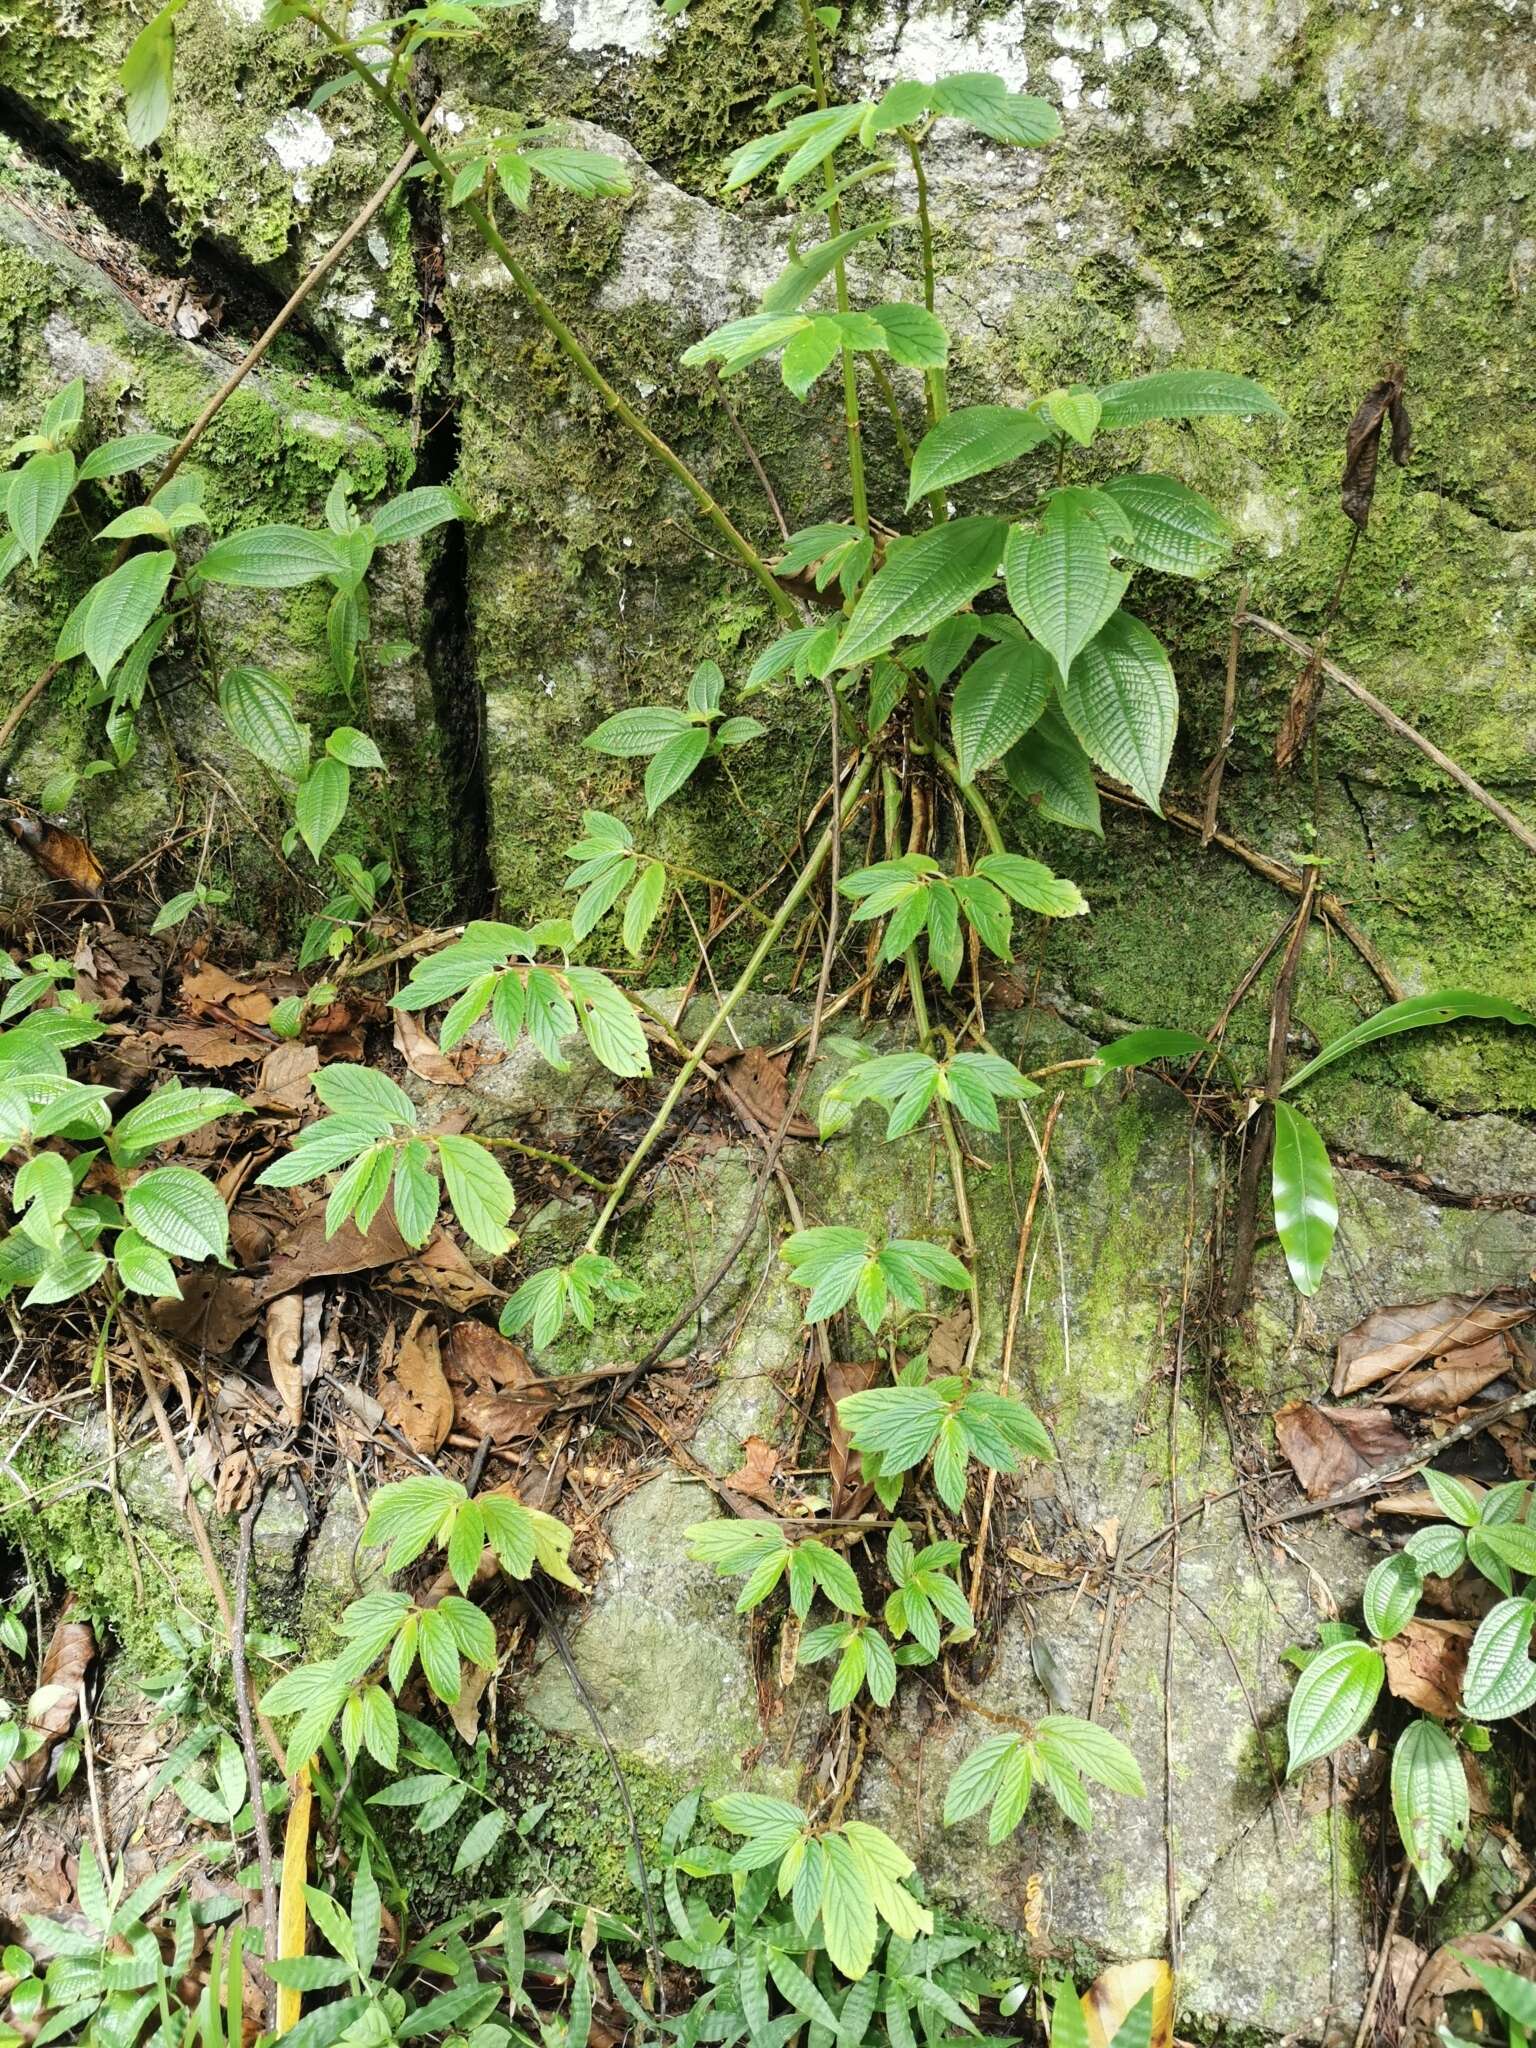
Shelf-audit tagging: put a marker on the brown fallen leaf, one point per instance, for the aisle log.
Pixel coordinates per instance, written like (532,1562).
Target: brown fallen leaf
(1328,1447)
(1393,1339)
(755,1474)
(762,1082)
(421,1054)
(414,1394)
(1446,1973)
(950,1340)
(284,1082)
(213,1045)
(54,1708)
(1426,1663)
(60,855)
(851,1492)
(496,1392)
(285,1336)
(1117,1991)
(1362,444)
(208,991)
(306,1253)
(442,1274)
(1417,1503)
(214,1313)
(1300,712)
(1434,1389)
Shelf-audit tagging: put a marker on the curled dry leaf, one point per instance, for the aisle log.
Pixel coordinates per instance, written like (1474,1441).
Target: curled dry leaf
(285,1336)
(1426,1663)
(209,992)
(496,1392)
(422,1055)
(284,1081)
(1362,444)
(54,1708)
(1329,1447)
(951,1340)
(306,1253)
(1301,711)
(1393,1339)
(414,1392)
(762,1082)
(1435,1389)
(1116,1992)
(60,855)
(441,1274)
(756,1472)
(851,1492)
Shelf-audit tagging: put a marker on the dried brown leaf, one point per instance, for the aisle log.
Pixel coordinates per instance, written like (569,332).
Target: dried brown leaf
(851,1492)
(213,1045)
(755,1474)
(442,1274)
(1362,443)
(1426,1663)
(1300,712)
(284,1082)
(1392,1339)
(285,1336)
(421,1053)
(951,1340)
(1329,1447)
(60,855)
(496,1392)
(1437,1388)
(54,1708)
(306,1253)
(414,1393)
(762,1082)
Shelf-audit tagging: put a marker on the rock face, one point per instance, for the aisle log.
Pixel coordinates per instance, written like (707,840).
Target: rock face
(1292,189)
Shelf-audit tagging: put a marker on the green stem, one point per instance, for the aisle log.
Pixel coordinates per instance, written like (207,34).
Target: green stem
(973,796)
(887,391)
(549,1158)
(857,486)
(952,1146)
(935,380)
(815,862)
(562,335)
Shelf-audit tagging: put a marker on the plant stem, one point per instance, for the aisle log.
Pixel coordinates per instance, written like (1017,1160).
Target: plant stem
(984,814)
(816,860)
(549,1158)
(857,486)
(934,380)
(562,335)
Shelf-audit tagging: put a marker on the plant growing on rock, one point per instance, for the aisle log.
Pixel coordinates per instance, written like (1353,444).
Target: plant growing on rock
(1341,1680)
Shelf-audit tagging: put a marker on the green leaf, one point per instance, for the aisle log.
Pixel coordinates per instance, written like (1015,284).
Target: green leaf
(1438,1551)
(1183,395)
(1501,1679)
(1049,768)
(271,558)
(914,337)
(1391,1595)
(997,700)
(1429,1800)
(353,748)
(414,513)
(37,494)
(1075,413)
(1062,584)
(641,909)
(672,765)
(1306,1208)
(589,173)
(808,267)
(1332,1700)
(321,803)
(847,1910)
(1032,885)
(363,1091)
(180,1212)
(970,442)
(259,713)
(478,1190)
(609,1022)
(416,1192)
(146,78)
(1514,1995)
(644,730)
(124,453)
(142,1269)
(481,1840)
(976,1781)
(1121,701)
(170,1112)
(122,606)
(926,580)
(1444,1006)
(1093,1751)
(1172,527)
(1137,1048)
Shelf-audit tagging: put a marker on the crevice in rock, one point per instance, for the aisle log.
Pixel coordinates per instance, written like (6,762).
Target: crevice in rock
(144,223)
(458,703)
(1425,1184)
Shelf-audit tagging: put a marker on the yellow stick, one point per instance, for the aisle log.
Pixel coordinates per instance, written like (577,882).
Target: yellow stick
(292,1921)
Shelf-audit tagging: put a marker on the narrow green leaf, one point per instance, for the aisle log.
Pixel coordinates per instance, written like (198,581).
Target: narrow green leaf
(1306,1208)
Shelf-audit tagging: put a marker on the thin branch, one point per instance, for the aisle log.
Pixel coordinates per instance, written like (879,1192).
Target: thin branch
(1218,767)
(243,1697)
(1400,726)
